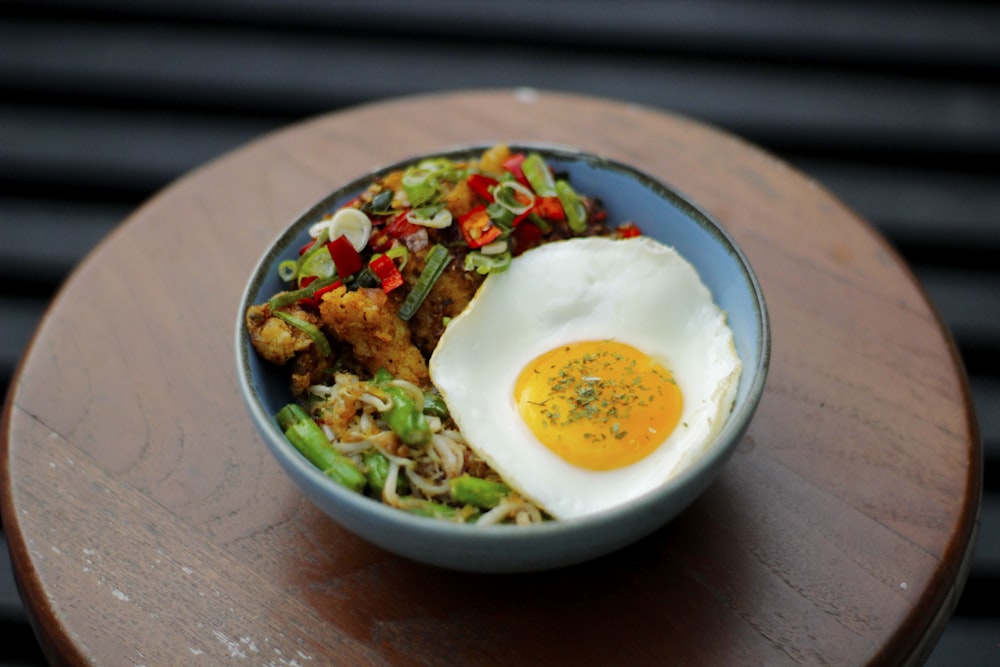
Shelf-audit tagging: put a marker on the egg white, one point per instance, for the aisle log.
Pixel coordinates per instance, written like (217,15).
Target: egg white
(637,291)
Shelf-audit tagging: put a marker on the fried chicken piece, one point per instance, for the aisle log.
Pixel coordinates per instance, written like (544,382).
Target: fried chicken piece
(366,320)
(279,343)
(308,368)
(493,158)
(450,295)
(275,340)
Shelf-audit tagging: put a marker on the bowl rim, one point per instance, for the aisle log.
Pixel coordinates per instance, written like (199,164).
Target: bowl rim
(715,455)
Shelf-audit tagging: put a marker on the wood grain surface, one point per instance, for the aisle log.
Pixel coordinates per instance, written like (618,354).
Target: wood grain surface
(148,524)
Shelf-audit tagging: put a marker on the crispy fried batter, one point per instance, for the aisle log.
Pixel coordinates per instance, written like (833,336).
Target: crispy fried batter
(367,321)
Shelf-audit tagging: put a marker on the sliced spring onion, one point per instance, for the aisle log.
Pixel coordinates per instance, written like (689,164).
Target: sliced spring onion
(319,264)
(420,185)
(484,264)
(349,222)
(323,235)
(421,182)
(400,254)
(576,212)
(506,195)
(494,248)
(537,172)
(501,217)
(353,224)
(437,259)
(287,269)
(309,329)
(430,216)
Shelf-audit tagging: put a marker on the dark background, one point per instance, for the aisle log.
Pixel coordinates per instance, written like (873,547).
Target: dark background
(892,106)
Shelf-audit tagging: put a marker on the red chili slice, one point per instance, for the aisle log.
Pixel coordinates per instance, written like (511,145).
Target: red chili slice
(477,228)
(385,270)
(303,249)
(481,185)
(550,208)
(526,237)
(313,301)
(513,165)
(345,257)
(400,227)
(627,230)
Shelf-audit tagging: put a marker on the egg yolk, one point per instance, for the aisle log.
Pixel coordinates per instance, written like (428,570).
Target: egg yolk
(598,404)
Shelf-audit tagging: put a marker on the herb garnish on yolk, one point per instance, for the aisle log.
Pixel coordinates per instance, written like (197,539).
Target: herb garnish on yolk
(598,404)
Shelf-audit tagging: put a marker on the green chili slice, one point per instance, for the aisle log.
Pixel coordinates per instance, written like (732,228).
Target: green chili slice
(282,299)
(309,329)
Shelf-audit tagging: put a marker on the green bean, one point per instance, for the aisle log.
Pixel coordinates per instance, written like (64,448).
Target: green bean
(405,420)
(482,493)
(308,438)
(429,508)
(434,405)
(376,467)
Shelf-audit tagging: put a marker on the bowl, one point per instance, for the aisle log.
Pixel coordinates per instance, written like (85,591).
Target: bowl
(628,194)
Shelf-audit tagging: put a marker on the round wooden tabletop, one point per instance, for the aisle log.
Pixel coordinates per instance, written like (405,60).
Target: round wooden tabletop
(149,525)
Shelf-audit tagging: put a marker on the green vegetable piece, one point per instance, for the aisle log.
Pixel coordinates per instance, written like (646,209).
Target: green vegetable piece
(310,329)
(381,204)
(287,269)
(405,420)
(437,259)
(576,212)
(484,264)
(319,245)
(536,170)
(537,221)
(434,405)
(308,438)
(320,264)
(429,508)
(376,468)
(482,493)
(283,299)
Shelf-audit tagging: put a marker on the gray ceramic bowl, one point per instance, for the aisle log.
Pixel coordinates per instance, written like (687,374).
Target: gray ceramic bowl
(628,195)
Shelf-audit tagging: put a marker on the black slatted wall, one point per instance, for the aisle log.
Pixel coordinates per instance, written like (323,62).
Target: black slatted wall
(892,106)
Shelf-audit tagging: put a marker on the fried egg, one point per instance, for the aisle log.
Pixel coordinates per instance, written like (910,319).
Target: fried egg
(590,372)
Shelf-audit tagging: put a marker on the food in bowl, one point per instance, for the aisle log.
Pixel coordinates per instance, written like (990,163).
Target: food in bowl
(437,326)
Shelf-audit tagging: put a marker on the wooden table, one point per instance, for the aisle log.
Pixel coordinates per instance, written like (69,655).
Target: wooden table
(148,524)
